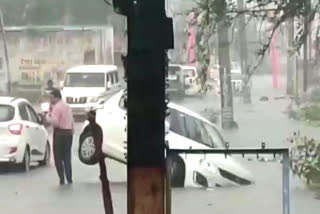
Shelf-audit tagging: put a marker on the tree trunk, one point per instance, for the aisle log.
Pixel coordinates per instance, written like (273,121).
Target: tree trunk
(225,76)
(305,46)
(244,55)
(290,58)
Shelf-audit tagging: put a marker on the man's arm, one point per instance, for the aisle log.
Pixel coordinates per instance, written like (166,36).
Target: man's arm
(53,117)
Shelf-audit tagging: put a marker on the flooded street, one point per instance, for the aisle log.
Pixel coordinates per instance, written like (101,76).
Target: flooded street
(38,192)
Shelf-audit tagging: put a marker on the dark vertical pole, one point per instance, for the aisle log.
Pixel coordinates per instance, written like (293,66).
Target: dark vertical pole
(286,184)
(146,114)
(149,36)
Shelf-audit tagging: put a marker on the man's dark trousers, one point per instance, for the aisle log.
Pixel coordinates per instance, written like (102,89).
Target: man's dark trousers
(62,143)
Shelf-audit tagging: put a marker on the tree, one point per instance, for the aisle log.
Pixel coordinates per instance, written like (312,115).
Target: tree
(48,12)
(243,53)
(212,16)
(11,9)
(266,11)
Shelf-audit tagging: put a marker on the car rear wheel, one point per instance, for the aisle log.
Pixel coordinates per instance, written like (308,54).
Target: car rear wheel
(46,158)
(26,161)
(87,152)
(176,169)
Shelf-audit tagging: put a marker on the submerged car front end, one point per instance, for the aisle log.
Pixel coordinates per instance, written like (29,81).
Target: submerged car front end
(215,173)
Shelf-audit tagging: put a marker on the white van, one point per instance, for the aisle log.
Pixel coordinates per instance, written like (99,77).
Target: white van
(88,86)
(183,77)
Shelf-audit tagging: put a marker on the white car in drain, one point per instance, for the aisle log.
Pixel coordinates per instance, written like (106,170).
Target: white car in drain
(185,130)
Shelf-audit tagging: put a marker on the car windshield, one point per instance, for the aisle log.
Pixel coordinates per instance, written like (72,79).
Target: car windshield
(85,80)
(6,113)
(214,136)
(190,72)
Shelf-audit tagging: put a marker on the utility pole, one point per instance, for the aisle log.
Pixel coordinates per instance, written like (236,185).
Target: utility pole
(5,48)
(244,55)
(150,35)
(225,71)
(290,57)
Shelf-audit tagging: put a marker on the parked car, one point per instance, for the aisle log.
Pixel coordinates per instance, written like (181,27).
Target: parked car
(23,138)
(88,86)
(236,78)
(191,80)
(183,80)
(185,130)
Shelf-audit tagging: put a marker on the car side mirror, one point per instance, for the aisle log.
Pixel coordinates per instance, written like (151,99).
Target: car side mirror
(100,104)
(41,118)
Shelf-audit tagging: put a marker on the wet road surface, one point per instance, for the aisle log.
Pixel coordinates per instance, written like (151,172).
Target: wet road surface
(38,192)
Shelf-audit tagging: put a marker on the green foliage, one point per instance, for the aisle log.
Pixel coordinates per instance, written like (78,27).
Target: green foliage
(45,12)
(210,12)
(312,112)
(207,15)
(305,159)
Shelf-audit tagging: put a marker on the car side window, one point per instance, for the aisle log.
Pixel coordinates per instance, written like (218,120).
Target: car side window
(23,112)
(112,79)
(33,115)
(116,76)
(197,132)
(215,136)
(108,77)
(177,122)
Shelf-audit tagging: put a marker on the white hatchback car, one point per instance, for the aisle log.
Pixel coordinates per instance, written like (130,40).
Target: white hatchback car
(23,138)
(185,130)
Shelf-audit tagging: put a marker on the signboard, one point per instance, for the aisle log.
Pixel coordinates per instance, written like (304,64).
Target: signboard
(36,58)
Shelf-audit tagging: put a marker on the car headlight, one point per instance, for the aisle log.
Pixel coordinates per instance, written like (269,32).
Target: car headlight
(93,99)
(200,179)
(209,165)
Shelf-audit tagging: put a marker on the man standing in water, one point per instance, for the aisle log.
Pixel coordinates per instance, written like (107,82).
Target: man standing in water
(60,117)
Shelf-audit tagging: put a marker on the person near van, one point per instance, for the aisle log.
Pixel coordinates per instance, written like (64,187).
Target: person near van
(49,87)
(48,90)
(97,133)
(60,117)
